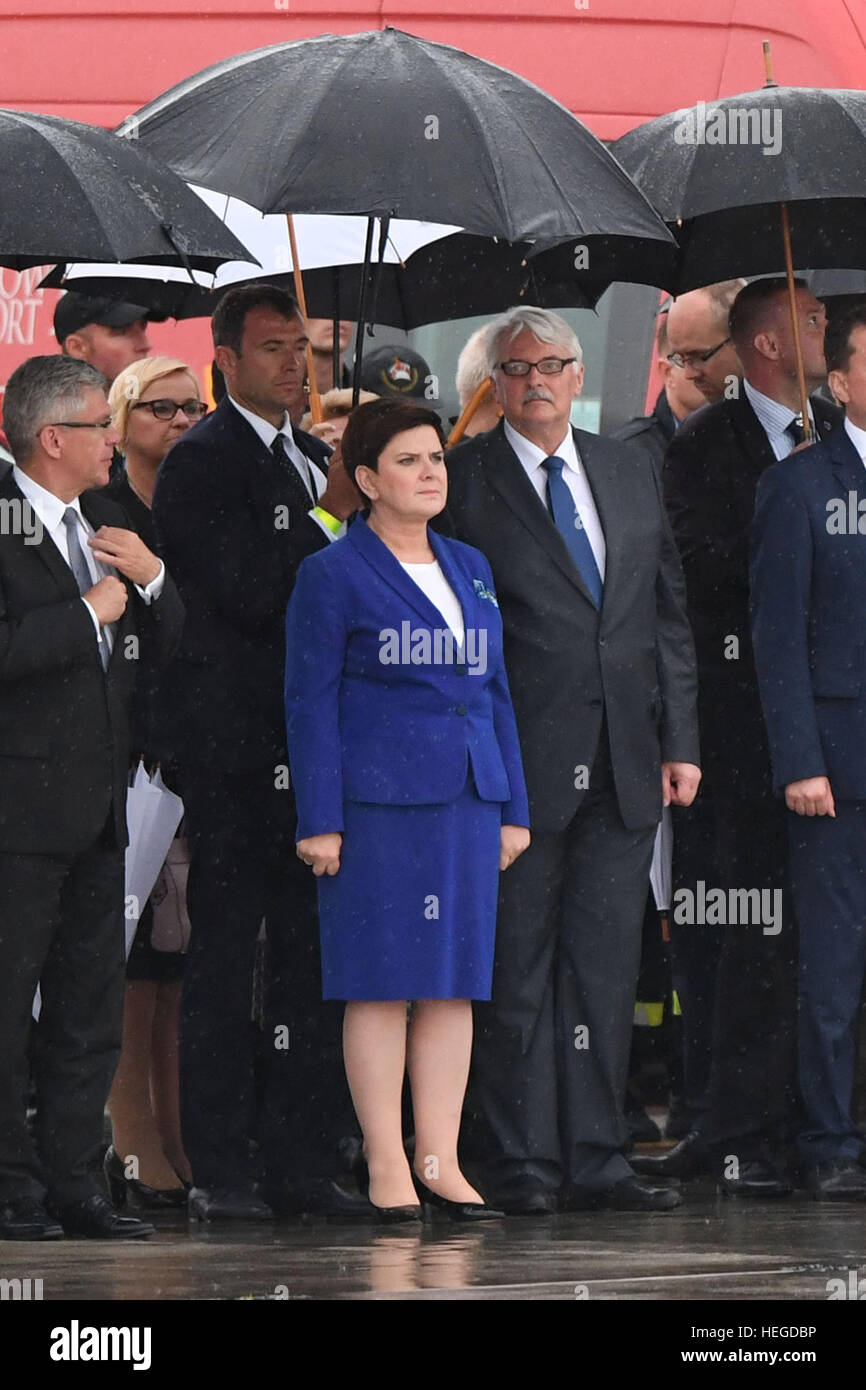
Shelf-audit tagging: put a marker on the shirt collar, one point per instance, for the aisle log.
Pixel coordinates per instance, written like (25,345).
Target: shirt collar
(263,428)
(48,507)
(532,457)
(774,416)
(857,437)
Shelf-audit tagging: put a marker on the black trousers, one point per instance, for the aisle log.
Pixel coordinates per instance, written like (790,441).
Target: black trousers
(695,950)
(243,870)
(753,1102)
(551,1052)
(61,926)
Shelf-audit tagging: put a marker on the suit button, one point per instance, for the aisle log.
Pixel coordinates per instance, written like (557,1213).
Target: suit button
(601,641)
(461,709)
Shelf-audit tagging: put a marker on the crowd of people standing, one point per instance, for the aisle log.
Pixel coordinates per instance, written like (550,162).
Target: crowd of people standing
(424,709)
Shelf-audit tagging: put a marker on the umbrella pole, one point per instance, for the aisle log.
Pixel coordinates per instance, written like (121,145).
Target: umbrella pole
(468,411)
(362,313)
(795,323)
(315,398)
(337,365)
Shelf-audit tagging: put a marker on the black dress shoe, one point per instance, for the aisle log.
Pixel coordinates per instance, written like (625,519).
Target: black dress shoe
(97,1219)
(524,1197)
(23,1218)
(839,1180)
(754,1179)
(318,1197)
(153,1198)
(629,1195)
(227,1204)
(685,1159)
(456,1211)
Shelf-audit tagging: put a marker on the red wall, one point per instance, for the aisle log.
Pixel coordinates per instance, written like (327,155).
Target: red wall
(609,61)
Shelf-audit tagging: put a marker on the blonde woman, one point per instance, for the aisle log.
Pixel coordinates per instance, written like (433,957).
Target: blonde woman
(153,402)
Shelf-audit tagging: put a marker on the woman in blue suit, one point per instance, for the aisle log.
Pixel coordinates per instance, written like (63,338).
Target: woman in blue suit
(410,792)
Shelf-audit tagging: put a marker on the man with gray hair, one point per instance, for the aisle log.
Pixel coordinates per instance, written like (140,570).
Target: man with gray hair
(602,675)
(79,593)
(472,370)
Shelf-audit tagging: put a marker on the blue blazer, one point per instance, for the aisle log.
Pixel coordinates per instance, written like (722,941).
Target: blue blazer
(375,709)
(808,602)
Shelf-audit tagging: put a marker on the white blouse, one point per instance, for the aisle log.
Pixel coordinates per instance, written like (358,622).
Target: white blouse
(432,582)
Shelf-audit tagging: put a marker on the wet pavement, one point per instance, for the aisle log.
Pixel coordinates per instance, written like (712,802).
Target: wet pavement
(711,1248)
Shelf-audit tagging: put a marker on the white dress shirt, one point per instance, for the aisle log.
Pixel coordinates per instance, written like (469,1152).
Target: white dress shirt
(50,510)
(432,582)
(857,437)
(311,475)
(574,475)
(775,419)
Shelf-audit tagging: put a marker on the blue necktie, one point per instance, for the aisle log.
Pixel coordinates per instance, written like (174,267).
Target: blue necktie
(570,527)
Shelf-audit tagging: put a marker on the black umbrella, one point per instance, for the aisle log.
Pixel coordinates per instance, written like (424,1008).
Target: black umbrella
(74,192)
(758,181)
(385,125)
(454,277)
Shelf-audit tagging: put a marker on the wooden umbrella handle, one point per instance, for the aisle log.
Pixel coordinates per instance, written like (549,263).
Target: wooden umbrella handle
(469,410)
(315,398)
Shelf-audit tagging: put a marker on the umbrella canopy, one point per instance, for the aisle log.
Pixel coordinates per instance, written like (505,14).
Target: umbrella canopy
(723,168)
(388,125)
(430,273)
(78,193)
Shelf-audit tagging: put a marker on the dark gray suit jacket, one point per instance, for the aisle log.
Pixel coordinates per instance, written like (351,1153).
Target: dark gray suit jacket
(568,664)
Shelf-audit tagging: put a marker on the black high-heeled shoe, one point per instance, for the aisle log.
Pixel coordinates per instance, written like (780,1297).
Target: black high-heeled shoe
(392,1216)
(457,1211)
(151,1198)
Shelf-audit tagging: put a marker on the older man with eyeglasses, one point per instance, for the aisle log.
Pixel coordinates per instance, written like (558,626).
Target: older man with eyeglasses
(81,598)
(601,670)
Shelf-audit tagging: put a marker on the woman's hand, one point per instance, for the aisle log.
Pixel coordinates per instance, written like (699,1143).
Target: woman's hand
(513,840)
(322,852)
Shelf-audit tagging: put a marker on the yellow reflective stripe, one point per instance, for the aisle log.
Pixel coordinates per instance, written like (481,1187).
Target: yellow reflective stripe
(333,523)
(648,1015)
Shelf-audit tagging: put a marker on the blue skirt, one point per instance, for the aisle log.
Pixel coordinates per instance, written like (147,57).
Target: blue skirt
(412,912)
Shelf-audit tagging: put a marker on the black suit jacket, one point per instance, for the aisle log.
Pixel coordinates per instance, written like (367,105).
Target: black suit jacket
(710,477)
(64,723)
(567,663)
(233,532)
(652,433)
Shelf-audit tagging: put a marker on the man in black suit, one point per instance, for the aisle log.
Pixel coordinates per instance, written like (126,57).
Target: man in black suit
(79,594)
(710,477)
(675,402)
(239,502)
(601,669)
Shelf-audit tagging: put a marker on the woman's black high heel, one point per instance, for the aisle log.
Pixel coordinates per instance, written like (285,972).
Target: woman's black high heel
(151,1198)
(457,1211)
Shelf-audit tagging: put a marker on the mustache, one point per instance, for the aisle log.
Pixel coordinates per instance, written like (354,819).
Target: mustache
(537,393)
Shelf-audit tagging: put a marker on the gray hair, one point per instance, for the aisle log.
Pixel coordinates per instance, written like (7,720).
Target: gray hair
(543,324)
(472,366)
(43,390)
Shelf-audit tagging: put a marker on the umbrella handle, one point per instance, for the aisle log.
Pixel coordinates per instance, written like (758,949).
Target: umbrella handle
(469,410)
(315,398)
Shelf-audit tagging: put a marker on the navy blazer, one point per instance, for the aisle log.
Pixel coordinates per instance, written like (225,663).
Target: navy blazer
(808,601)
(372,715)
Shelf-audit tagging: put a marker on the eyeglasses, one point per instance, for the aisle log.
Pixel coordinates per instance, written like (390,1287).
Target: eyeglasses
(77,424)
(548,366)
(691,359)
(165,409)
